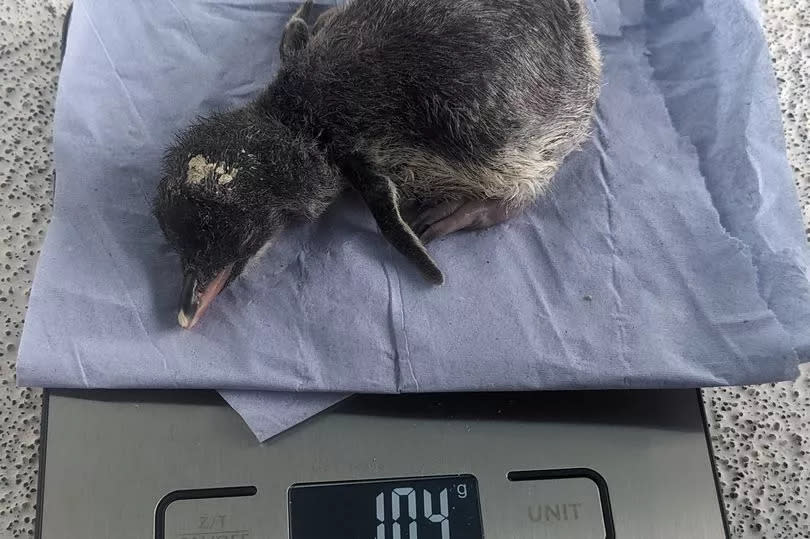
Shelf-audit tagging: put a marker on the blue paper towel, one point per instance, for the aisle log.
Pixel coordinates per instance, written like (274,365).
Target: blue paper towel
(670,252)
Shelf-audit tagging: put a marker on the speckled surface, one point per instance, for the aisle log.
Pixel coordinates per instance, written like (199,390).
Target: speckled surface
(761,435)
(28,68)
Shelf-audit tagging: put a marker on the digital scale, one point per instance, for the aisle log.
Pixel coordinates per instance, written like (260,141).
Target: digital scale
(182,465)
(550,465)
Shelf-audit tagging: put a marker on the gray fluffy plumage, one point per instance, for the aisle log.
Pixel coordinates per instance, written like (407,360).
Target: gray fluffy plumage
(425,100)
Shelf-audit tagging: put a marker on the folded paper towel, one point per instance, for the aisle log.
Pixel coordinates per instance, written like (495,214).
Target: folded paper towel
(670,253)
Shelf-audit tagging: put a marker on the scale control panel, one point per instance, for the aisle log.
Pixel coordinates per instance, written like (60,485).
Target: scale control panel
(568,465)
(543,504)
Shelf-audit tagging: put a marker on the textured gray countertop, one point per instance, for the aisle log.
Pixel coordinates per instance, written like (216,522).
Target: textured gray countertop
(761,434)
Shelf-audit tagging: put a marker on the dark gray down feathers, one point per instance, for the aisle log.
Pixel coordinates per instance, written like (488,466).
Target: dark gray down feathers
(415,99)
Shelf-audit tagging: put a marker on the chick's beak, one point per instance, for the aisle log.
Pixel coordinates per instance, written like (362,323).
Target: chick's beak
(194,302)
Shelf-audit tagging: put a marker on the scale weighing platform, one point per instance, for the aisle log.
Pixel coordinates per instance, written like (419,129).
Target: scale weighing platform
(182,465)
(550,465)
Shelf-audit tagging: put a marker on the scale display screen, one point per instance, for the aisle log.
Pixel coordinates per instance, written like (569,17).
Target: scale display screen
(441,507)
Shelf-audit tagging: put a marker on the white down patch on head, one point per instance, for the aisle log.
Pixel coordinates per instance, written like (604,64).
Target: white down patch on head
(200,168)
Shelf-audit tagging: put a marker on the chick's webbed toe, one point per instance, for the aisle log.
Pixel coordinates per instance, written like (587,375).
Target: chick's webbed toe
(454,215)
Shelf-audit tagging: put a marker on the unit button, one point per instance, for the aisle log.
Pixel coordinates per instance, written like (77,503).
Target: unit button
(559,506)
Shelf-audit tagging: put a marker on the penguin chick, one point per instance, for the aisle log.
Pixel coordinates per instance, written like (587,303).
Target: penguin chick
(231,183)
(466,107)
